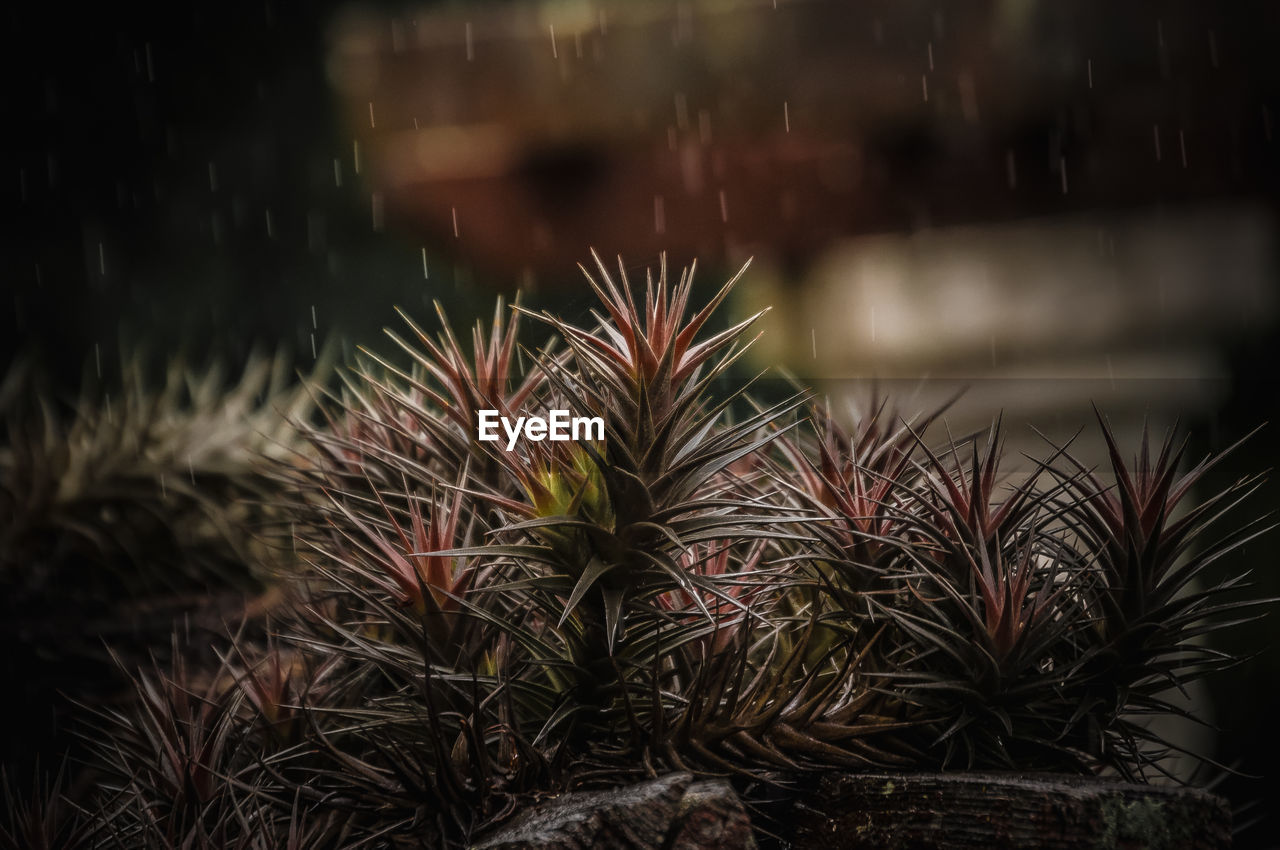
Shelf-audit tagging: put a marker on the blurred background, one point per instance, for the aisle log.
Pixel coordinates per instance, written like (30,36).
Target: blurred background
(1049,204)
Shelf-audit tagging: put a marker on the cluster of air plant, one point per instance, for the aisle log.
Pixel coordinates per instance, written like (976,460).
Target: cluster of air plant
(716,585)
(1036,620)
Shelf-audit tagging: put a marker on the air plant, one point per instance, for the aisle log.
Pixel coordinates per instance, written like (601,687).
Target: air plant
(43,818)
(1151,550)
(716,586)
(988,602)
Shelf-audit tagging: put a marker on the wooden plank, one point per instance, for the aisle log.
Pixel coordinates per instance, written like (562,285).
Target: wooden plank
(996,811)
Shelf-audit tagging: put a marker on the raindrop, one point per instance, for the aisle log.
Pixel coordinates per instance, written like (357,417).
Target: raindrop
(1088,65)
(659,215)
(425,274)
(313,317)
(213,177)
(1155,134)
(552,29)
(813,341)
(1213,49)
(355,154)
(682,111)
(97,358)
(191,470)
(931,56)
(271,230)
(1062,169)
(724,208)
(337,172)
(454,212)
(924,86)
(683,29)
(313,347)
(786,116)
(373,125)
(102,260)
(151,66)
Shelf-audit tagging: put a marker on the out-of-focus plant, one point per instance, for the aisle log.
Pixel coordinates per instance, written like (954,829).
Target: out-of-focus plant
(129,510)
(149,489)
(714,585)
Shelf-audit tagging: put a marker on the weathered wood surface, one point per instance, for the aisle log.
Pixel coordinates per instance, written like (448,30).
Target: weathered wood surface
(883,810)
(710,817)
(1029,812)
(672,812)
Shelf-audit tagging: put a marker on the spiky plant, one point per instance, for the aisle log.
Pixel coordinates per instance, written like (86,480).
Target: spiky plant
(193,760)
(1157,590)
(1035,619)
(988,602)
(715,585)
(42,818)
